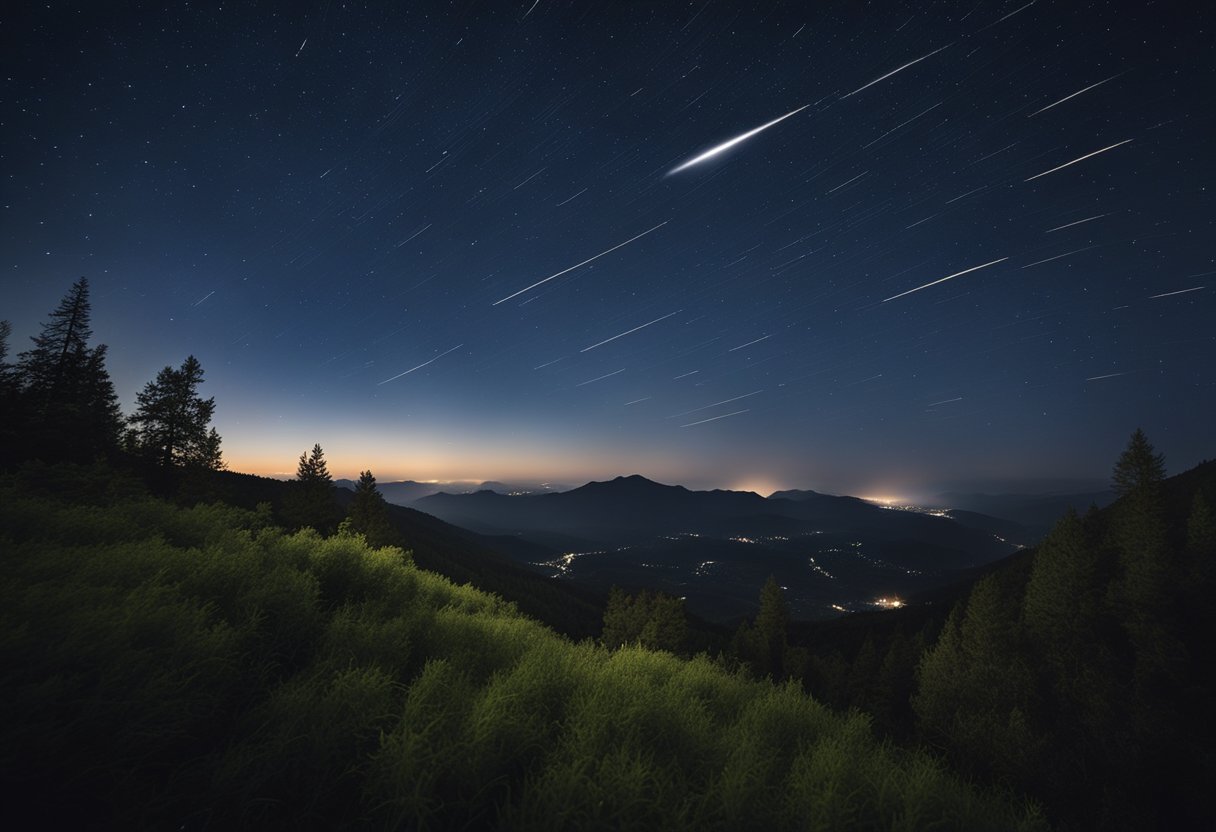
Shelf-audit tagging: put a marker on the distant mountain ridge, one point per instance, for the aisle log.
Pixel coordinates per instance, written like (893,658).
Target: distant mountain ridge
(1037,511)
(405,492)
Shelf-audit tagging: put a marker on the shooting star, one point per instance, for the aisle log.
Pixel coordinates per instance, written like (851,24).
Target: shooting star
(1179,292)
(715,404)
(892,72)
(636,401)
(578,265)
(1058,256)
(600,378)
(630,331)
(842,184)
(685,375)
(714,418)
(530,178)
(203,298)
(301,49)
(412,236)
(1078,222)
(749,343)
(1081,159)
(727,145)
(896,127)
(564,201)
(547,363)
(946,401)
(420,366)
(1074,95)
(947,277)
(1108,375)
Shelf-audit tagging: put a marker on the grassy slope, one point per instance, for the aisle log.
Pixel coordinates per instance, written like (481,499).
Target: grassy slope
(199,668)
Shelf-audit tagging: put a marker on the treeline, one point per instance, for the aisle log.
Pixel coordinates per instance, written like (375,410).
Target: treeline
(57,402)
(1075,673)
(202,669)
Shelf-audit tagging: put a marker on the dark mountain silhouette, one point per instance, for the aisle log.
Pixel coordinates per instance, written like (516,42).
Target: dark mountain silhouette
(1037,512)
(405,492)
(398,493)
(1006,529)
(633,509)
(833,552)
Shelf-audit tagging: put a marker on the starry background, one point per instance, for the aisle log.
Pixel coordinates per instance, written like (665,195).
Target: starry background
(316,198)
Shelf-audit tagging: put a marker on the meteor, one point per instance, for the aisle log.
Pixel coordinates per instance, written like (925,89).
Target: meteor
(1078,222)
(727,145)
(1179,292)
(944,279)
(420,366)
(1074,95)
(1081,159)
(585,262)
(892,72)
(601,378)
(630,331)
(1058,256)
(714,418)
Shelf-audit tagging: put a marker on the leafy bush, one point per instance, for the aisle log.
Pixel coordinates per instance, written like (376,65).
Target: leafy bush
(197,668)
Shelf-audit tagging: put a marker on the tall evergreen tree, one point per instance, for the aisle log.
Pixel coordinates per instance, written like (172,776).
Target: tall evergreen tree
(771,623)
(310,502)
(50,368)
(67,400)
(762,645)
(368,514)
(976,690)
(653,620)
(172,420)
(1140,468)
(1149,564)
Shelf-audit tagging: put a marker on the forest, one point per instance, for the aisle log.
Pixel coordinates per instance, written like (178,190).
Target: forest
(189,646)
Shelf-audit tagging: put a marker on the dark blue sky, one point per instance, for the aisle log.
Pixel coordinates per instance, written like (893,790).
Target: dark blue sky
(317,200)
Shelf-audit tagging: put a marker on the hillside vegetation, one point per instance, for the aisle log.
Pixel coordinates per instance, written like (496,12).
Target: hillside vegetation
(201,668)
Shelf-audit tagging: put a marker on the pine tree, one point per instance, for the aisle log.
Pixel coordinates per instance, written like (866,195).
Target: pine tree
(653,620)
(49,369)
(976,691)
(172,420)
(368,514)
(310,502)
(771,623)
(1149,566)
(1140,469)
(1062,601)
(62,394)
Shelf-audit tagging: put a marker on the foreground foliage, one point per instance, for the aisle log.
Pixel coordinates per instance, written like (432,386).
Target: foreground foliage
(201,668)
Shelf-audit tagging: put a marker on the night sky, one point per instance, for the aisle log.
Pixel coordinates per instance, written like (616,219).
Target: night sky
(412,231)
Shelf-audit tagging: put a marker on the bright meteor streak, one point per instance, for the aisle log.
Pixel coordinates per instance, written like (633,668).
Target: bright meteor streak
(1081,159)
(892,72)
(585,262)
(1074,95)
(944,279)
(714,418)
(420,366)
(725,146)
(628,332)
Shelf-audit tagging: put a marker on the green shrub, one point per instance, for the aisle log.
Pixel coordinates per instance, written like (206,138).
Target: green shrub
(195,667)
